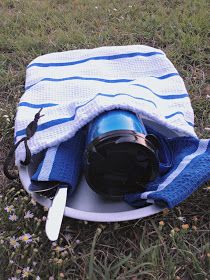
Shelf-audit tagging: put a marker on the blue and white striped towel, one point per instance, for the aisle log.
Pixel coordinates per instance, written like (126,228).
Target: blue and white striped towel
(75,86)
(191,168)
(61,164)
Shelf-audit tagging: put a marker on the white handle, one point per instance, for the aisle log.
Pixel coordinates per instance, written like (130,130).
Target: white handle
(55,214)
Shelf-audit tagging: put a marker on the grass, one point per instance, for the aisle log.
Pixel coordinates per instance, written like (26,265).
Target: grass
(142,249)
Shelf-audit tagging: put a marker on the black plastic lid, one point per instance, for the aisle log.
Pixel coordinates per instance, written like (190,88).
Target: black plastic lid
(121,162)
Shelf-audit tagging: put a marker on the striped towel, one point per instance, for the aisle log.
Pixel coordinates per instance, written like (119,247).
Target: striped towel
(75,86)
(191,168)
(61,165)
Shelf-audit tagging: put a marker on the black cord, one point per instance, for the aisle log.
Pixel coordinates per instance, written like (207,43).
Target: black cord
(30,131)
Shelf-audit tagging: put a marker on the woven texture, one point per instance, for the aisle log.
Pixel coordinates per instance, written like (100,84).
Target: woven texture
(75,86)
(191,168)
(62,163)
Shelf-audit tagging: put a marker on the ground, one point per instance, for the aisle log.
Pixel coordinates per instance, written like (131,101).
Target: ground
(171,245)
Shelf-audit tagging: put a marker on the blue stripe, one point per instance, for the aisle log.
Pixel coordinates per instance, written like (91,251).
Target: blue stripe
(45,126)
(95,79)
(36,106)
(80,78)
(106,57)
(178,113)
(177,96)
(166,76)
(64,120)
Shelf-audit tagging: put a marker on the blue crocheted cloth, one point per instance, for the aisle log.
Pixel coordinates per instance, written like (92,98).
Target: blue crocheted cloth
(191,168)
(62,163)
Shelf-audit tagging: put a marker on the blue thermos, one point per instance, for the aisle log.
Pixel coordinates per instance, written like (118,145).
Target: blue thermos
(120,157)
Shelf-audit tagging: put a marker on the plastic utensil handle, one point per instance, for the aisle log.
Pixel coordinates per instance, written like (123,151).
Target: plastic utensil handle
(55,214)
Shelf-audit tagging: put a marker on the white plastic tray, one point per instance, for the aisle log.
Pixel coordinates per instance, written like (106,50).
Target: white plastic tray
(85,204)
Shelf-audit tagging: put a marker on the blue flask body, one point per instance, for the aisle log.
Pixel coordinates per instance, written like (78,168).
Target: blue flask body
(120,156)
(112,121)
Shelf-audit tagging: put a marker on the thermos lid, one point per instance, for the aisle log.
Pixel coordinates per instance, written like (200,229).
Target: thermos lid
(121,162)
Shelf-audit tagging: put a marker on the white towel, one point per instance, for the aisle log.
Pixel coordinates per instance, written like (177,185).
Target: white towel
(75,86)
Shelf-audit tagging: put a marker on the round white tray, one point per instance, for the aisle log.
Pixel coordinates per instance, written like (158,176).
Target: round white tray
(85,204)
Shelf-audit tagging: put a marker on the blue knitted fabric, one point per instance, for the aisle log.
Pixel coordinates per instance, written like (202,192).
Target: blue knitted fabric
(61,163)
(191,168)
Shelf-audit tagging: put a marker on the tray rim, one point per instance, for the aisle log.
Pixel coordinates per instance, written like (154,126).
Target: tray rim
(86,215)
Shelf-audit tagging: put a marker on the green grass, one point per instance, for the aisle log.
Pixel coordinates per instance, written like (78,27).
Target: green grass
(129,250)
